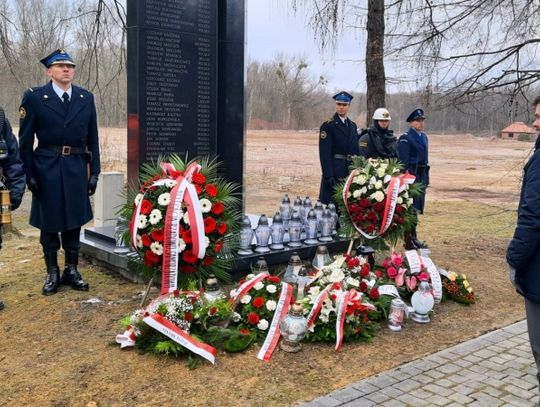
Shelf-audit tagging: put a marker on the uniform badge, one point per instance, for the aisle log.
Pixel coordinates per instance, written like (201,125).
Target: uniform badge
(22,113)
(323,135)
(362,143)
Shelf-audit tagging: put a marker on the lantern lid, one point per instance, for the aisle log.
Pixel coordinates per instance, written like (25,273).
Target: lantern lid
(311,214)
(277,218)
(246,222)
(295,260)
(322,249)
(263,220)
(286,199)
(326,214)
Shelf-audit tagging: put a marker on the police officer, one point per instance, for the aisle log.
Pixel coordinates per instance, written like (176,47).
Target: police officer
(337,143)
(63,169)
(378,141)
(11,168)
(413,153)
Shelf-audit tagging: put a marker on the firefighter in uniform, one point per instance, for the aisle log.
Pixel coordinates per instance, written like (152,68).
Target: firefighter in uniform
(62,172)
(11,168)
(413,153)
(337,143)
(378,141)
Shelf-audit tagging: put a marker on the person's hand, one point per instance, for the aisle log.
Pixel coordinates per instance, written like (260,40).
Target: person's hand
(512,274)
(330,182)
(16,201)
(92,184)
(33,186)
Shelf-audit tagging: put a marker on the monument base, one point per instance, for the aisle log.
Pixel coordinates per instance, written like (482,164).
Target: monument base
(99,244)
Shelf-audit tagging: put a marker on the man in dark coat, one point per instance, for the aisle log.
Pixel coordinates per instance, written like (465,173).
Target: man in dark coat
(11,168)
(378,141)
(63,169)
(337,144)
(413,153)
(523,254)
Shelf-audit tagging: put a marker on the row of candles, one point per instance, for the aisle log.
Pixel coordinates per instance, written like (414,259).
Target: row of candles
(290,226)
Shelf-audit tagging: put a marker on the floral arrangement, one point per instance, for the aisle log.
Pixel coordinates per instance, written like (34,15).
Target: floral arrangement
(346,279)
(148,206)
(376,200)
(255,308)
(396,271)
(457,287)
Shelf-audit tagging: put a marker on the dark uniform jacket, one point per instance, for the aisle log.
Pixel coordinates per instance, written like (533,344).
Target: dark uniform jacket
(63,202)
(337,142)
(377,142)
(413,153)
(523,253)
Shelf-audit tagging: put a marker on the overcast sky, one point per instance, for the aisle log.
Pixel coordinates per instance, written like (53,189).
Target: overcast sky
(273,28)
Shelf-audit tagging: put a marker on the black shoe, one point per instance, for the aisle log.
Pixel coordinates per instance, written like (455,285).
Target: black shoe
(2,306)
(74,279)
(409,242)
(419,244)
(53,274)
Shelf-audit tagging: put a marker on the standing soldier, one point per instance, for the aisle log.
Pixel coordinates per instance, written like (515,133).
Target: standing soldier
(63,169)
(11,168)
(337,144)
(378,141)
(413,153)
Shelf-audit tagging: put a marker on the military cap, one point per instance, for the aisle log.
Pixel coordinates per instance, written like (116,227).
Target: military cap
(343,97)
(57,57)
(415,115)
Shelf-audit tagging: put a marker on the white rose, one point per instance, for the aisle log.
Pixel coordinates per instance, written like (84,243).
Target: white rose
(263,325)
(379,184)
(400,200)
(271,288)
(336,276)
(323,318)
(164,199)
(372,180)
(314,291)
(378,196)
(360,179)
(405,194)
(381,171)
(384,165)
(271,305)
(348,195)
(353,281)
(236,317)
(155,216)
(245,299)
(395,170)
(410,201)
(363,190)
(357,194)
(387,179)
(206,205)
(258,286)
(138,199)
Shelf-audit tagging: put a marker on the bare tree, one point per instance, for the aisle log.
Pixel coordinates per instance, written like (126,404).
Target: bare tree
(375,77)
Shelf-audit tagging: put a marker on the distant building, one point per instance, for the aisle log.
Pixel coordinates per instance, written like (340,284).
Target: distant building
(518,131)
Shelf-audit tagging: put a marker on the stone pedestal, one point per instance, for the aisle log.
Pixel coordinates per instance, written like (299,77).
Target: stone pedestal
(108,198)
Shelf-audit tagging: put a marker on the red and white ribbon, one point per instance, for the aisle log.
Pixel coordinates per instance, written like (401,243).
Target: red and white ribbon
(170,330)
(414,261)
(127,339)
(396,185)
(314,313)
(436,282)
(340,321)
(388,289)
(248,285)
(274,331)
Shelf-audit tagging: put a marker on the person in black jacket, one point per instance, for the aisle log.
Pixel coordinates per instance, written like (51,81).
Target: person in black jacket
(523,254)
(337,144)
(11,168)
(63,169)
(378,141)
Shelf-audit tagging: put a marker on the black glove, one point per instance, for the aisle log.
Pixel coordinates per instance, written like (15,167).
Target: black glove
(330,182)
(33,186)
(16,201)
(92,184)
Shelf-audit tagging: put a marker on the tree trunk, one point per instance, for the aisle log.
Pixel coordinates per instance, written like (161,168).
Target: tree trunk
(375,77)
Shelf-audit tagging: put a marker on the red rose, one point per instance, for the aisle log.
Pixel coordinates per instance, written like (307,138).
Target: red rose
(176,293)
(364,271)
(363,286)
(364,203)
(372,216)
(212,311)
(370,229)
(258,302)
(146,207)
(208,260)
(392,272)
(198,178)
(353,262)
(150,258)
(188,316)
(186,268)
(399,209)
(273,279)
(157,235)
(189,257)
(211,190)
(379,206)
(146,241)
(378,273)
(218,246)
(423,276)
(175,174)
(244,331)
(222,228)
(217,208)
(374,293)
(333,296)
(186,236)
(209,225)
(253,318)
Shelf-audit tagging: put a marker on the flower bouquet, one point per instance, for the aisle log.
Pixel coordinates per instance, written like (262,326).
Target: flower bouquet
(376,200)
(183,219)
(457,287)
(397,271)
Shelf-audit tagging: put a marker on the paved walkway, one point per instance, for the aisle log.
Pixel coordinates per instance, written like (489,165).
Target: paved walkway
(496,369)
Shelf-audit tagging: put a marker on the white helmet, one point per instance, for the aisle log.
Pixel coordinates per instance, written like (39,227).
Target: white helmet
(381,114)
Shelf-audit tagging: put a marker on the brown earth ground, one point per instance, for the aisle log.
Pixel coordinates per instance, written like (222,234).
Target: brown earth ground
(60,351)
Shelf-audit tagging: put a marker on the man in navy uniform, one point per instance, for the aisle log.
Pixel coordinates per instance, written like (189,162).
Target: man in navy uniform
(337,143)
(63,170)
(413,153)
(11,168)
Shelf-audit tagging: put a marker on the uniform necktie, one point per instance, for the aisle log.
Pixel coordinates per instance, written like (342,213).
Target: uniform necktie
(65,97)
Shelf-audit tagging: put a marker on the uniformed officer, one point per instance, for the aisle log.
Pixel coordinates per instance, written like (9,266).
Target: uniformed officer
(413,153)
(11,168)
(337,143)
(378,141)
(63,169)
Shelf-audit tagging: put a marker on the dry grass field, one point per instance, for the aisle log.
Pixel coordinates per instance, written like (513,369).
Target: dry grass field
(59,350)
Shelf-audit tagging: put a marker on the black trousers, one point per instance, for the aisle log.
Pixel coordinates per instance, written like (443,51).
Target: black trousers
(70,240)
